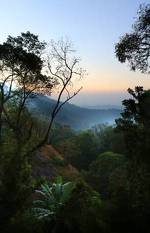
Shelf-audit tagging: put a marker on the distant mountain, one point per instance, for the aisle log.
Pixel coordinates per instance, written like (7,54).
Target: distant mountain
(72,115)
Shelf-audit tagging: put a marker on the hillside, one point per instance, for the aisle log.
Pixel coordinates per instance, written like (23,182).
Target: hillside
(72,115)
(50,163)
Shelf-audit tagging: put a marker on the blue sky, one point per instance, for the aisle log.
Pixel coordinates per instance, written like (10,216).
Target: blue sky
(94,26)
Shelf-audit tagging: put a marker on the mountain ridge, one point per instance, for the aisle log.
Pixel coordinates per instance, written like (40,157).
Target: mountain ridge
(75,116)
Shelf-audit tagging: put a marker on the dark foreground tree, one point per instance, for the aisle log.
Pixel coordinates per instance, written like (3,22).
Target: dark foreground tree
(24,72)
(134,47)
(20,75)
(135,126)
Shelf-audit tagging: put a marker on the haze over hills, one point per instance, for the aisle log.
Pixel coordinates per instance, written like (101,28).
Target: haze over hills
(72,115)
(106,106)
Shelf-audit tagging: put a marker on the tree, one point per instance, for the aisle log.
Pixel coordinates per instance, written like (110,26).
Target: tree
(82,213)
(87,149)
(101,170)
(108,139)
(135,121)
(23,66)
(134,124)
(24,72)
(64,68)
(20,66)
(134,47)
(20,75)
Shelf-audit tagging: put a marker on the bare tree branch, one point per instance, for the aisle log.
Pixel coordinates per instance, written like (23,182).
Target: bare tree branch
(64,69)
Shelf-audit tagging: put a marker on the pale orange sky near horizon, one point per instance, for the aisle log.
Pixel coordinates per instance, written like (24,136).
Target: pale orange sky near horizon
(109,86)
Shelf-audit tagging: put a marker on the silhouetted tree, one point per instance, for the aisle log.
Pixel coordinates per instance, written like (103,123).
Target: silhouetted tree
(24,72)
(64,68)
(135,125)
(134,47)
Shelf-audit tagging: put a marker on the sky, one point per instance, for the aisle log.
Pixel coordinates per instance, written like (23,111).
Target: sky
(94,27)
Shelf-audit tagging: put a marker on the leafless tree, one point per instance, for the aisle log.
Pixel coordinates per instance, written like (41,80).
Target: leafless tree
(65,69)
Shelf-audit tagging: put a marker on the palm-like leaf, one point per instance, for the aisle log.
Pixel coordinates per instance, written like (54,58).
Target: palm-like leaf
(53,197)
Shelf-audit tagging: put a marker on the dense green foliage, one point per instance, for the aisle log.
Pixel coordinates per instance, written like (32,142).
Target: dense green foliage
(20,65)
(102,170)
(53,198)
(121,203)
